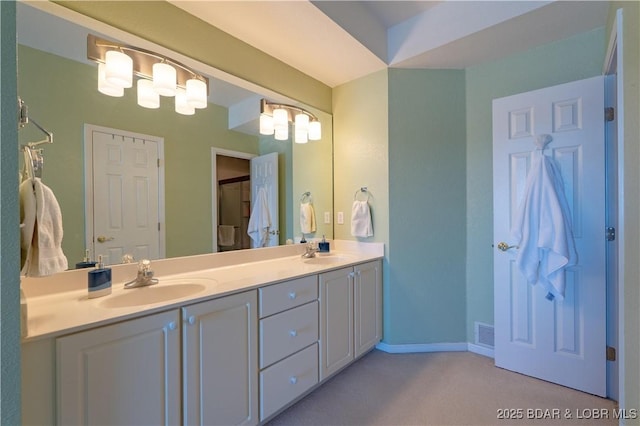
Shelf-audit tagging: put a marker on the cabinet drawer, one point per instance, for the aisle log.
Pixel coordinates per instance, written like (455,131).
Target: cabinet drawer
(285,381)
(289,294)
(288,332)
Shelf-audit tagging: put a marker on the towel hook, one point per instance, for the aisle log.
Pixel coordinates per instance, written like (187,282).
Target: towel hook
(542,141)
(306,195)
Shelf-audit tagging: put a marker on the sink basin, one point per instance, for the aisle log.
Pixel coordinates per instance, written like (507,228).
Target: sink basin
(165,291)
(327,260)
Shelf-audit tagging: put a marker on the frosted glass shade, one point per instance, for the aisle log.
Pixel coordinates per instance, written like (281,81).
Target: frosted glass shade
(182,107)
(118,69)
(164,79)
(302,122)
(105,87)
(196,93)
(266,124)
(301,136)
(315,131)
(281,124)
(147,97)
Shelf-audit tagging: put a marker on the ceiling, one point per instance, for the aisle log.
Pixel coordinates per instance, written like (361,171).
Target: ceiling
(338,41)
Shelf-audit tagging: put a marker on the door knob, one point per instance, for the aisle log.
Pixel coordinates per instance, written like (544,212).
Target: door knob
(502,246)
(103,239)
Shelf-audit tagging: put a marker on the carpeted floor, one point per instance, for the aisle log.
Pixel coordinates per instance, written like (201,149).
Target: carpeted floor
(443,388)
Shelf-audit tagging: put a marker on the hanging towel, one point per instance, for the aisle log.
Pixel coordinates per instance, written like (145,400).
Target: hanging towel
(361,225)
(41,230)
(226,235)
(260,220)
(542,229)
(307,218)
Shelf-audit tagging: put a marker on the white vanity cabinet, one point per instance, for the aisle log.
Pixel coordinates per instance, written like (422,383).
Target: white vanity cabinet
(350,314)
(220,368)
(288,342)
(125,373)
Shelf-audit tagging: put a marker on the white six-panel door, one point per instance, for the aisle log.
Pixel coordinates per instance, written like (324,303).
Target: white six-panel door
(126,195)
(264,174)
(559,341)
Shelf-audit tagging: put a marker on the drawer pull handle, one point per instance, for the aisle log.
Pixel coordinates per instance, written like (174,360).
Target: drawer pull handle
(293,380)
(192,320)
(172,325)
(292,295)
(293,333)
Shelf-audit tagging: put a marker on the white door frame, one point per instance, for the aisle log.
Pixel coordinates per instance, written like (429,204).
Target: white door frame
(214,188)
(88,182)
(613,64)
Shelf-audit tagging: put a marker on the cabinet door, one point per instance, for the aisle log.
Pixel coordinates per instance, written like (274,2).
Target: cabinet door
(220,361)
(123,374)
(368,306)
(336,320)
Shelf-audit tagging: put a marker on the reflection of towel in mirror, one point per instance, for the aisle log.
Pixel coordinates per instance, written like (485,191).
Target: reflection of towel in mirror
(307,218)
(260,220)
(226,235)
(542,229)
(361,225)
(41,230)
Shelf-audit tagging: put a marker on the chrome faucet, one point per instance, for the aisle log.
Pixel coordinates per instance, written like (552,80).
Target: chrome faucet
(144,277)
(311,250)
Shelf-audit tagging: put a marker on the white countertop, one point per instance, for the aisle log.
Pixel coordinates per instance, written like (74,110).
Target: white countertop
(55,313)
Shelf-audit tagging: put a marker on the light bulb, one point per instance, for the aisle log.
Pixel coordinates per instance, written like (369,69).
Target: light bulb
(118,69)
(164,79)
(197,93)
(182,107)
(105,87)
(147,97)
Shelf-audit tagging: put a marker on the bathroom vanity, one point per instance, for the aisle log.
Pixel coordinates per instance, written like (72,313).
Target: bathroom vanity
(235,343)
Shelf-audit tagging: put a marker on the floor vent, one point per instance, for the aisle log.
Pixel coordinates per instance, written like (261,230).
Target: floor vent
(484,334)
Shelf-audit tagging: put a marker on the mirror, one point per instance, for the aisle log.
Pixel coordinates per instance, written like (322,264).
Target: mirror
(59,86)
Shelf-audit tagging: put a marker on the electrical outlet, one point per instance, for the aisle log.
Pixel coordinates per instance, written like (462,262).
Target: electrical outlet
(327,217)
(340,218)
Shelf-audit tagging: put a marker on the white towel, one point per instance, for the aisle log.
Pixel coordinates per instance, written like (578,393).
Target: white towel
(542,229)
(226,235)
(41,230)
(361,225)
(307,218)
(260,220)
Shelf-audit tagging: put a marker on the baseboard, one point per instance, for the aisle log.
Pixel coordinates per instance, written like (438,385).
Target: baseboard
(481,350)
(435,347)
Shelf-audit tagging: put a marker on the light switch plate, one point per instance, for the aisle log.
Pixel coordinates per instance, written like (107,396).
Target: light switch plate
(327,217)
(340,218)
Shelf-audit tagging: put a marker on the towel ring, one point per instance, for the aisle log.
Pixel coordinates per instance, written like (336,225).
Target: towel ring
(306,195)
(360,191)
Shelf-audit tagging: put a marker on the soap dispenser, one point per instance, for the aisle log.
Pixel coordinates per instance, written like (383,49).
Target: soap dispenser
(99,280)
(86,262)
(323,246)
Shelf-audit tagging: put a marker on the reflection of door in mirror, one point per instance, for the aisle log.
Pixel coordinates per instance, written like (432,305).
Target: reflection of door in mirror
(234,202)
(264,201)
(124,178)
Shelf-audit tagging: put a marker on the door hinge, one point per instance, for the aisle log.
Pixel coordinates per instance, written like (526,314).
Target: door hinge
(611,353)
(158,163)
(609,114)
(158,226)
(610,233)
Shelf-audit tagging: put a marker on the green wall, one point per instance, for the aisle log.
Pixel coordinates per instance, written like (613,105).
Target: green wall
(426,207)
(575,58)
(9,219)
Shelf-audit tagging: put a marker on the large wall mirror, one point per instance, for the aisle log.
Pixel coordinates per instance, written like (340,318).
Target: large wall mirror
(59,85)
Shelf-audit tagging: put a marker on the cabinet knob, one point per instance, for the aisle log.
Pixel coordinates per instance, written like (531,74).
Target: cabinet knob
(192,320)
(172,325)
(293,333)
(292,295)
(293,380)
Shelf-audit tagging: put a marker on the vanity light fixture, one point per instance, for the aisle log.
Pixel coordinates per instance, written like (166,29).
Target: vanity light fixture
(157,75)
(275,119)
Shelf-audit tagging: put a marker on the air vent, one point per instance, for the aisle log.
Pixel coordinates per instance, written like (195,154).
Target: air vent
(484,334)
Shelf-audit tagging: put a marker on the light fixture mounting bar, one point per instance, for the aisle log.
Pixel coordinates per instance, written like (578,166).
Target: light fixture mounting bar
(143,60)
(267,107)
